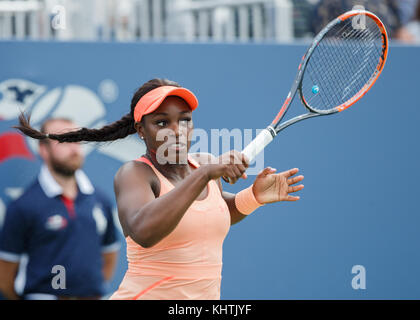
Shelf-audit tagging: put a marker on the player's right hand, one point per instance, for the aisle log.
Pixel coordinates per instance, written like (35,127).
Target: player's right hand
(230,165)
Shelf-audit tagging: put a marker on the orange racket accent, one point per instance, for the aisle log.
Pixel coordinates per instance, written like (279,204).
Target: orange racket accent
(347,15)
(381,27)
(360,94)
(151,287)
(304,100)
(283,108)
(329,36)
(303,59)
(381,62)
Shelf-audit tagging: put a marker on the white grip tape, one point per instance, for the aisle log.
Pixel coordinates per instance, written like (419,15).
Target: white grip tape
(256,145)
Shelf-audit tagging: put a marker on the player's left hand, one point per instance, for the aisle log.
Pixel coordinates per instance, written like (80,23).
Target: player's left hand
(273,187)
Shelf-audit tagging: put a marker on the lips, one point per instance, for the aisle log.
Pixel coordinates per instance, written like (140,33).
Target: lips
(177,146)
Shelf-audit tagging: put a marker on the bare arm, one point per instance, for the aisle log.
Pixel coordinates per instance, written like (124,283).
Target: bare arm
(147,219)
(110,259)
(8,272)
(268,187)
(235,215)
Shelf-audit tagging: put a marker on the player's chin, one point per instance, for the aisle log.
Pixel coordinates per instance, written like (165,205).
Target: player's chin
(177,154)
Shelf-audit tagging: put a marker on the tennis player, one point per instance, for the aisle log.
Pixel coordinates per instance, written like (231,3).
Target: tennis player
(173,211)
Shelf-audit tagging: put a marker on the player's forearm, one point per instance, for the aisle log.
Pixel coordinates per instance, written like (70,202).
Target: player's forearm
(235,214)
(159,217)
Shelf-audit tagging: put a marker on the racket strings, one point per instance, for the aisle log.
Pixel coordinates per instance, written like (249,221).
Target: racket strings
(338,68)
(369,37)
(344,61)
(340,64)
(356,35)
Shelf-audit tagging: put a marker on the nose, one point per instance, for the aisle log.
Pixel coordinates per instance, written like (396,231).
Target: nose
(178,130)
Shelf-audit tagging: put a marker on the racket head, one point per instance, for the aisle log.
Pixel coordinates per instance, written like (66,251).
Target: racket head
(343,62)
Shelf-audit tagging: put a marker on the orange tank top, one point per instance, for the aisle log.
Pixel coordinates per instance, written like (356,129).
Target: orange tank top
(192,251)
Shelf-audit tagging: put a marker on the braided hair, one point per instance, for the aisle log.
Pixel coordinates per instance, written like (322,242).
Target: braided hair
(116,130)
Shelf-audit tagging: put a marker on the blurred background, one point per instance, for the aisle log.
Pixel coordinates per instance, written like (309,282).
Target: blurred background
(192,20)
(83,59)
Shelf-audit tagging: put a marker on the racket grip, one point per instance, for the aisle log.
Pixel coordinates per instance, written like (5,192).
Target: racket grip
(258,144)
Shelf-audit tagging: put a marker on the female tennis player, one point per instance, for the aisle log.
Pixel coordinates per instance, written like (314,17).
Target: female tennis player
(173,211)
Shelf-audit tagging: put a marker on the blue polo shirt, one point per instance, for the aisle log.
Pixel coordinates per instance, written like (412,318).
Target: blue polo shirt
(52,231)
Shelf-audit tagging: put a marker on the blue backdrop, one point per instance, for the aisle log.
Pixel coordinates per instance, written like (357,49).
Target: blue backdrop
(359,205)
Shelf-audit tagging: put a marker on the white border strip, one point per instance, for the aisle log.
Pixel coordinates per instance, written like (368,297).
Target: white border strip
(10,257)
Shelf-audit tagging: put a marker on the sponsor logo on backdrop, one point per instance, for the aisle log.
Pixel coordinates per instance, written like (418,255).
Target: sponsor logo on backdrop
(81,104)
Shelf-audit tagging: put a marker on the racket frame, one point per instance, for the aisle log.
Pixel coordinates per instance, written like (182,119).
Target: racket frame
(268,134)
(297,84)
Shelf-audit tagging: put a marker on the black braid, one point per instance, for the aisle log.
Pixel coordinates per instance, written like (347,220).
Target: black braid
(116,130)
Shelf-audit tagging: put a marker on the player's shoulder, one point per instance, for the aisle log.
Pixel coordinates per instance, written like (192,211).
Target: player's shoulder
(133,170)
(203,157)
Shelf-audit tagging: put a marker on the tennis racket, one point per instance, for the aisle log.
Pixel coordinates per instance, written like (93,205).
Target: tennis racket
(341,65)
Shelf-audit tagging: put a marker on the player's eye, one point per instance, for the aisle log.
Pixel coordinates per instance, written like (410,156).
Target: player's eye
(185,121)
(161,123)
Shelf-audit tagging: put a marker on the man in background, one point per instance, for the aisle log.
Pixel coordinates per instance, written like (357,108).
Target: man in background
(63,225)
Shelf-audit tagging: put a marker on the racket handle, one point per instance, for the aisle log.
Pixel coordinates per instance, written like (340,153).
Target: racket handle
(259,143)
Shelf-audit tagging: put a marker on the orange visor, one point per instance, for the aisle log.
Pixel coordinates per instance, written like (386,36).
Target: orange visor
(154,98)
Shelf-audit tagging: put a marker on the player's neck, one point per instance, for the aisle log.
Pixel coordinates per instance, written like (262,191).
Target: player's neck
(176,170)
